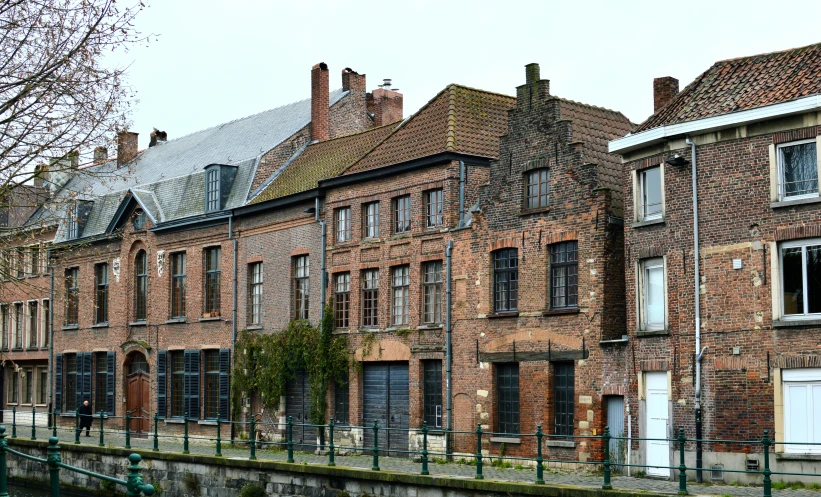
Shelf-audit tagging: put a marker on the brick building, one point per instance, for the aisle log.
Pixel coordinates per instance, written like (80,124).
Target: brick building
(727,323)
(146,258)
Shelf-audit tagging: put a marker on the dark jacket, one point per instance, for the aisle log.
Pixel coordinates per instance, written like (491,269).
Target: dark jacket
(86,416)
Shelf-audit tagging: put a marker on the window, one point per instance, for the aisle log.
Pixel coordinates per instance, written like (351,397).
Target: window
(564,279)
(505,280)
(177,384)
(801,278)
(432,400)
(401,298)
(342,300)
(798,169)
(212,383)
(34,324)
(46,325)
(370,297)
(212,282)
(651,293)
(140,285)
(401,214)
(802,409)
(138,219)
(178,285)
(20,264)
(19,322)
(78,379)
(72,230)
(72,295)
(302,269)
(71,382)
(650,205)
(341,401)
(212,190)
(370,215)
(255,291)
(4,314)
(100,381)
(507,398)
(13,379)
(432,292)
(27,383)
(538,188)
(433,208)
(34,261)
(101,293)
(343,224)
(563,398)
(42,386)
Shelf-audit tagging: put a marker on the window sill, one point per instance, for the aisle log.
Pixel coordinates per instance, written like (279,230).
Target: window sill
(506,440)
(255,327)
(369,329)
(798,201)
(71,327)
(176,321)
(786,456)
(560,443)
(138,323)
(177,421)
(796,323)
(400,236)
(559,312)
(32,349)
(430,327)
(651,222)
(218,318)
(67,415)
(207,422)
(498,315)
(530,212)
(100,325)
(652,333)
(614,342)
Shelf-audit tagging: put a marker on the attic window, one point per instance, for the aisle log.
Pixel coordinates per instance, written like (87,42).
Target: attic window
(139,219)
(212,190)
(73,224)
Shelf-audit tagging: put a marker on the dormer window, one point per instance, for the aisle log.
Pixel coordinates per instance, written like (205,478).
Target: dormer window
(138,219)
(73,224)
(218,181)
(76,215)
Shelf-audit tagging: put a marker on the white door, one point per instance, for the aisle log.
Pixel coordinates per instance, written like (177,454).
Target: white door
(658,451)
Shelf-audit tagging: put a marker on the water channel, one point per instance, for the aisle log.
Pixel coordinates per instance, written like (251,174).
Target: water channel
(15,491)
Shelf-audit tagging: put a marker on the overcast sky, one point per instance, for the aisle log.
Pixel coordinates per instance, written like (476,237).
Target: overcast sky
(215,61)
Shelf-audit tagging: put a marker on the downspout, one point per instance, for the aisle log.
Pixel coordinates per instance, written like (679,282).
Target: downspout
(50,332)
(696,297)
(448,351)
(462,174)
(323,276)
(234,306)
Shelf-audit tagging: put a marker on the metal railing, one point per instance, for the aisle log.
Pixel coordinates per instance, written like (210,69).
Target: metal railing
(134,484)
(479,439)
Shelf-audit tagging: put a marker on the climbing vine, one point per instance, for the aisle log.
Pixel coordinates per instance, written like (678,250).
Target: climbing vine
(265,362)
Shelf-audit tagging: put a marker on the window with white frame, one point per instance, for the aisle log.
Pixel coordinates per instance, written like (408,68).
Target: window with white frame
(343,224)
(255,307)
(651,294)
(797,169)
(370,217)
(400,283)
(649,194)
(801,278)
(802,410)
(212,190)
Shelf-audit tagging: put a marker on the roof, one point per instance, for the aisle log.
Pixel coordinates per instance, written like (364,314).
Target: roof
(744,83)
(321,160)
(457,119)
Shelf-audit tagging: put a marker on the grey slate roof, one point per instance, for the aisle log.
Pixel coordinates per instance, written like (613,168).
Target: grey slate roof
(168,180)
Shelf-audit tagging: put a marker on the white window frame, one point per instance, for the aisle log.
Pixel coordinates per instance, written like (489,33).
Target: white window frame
(640,205)
(795,244)
(44,328)
(780,164)
(27,327)
(641,292)
(795,377)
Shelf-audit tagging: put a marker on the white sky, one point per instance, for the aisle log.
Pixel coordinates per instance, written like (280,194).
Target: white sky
(218,60)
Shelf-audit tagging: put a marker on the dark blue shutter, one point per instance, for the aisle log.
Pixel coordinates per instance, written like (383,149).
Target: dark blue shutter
(78,381)
(87,362)
(109,382)
(225,364)
(162,385)
(58,383)
(192,383)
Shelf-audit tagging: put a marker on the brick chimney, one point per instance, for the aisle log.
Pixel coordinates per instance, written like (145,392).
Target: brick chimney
(126,147)
(320,100)
(157,137)
(664,90)
(100,155)
(40,175)
(353,81)
(385,105)
(535,91)
(74,159)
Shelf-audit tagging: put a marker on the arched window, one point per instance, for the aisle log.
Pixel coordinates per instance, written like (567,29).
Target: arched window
(138,364)
(140,285)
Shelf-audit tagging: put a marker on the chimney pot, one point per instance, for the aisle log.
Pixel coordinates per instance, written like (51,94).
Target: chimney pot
(40,175)
(74,157)
(532,73)
(100,155)
(665,89)
(126,147)
(320,100)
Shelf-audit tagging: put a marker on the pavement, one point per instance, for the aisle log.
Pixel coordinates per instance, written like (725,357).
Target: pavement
(436,466)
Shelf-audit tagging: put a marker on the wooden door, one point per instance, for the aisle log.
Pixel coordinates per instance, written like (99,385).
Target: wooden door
(137,398)
(386,396)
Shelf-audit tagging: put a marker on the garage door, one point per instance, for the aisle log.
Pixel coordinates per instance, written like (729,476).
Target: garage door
(386,397)
(298,406)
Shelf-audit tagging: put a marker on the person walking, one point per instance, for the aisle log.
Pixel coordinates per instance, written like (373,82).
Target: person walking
(86,418)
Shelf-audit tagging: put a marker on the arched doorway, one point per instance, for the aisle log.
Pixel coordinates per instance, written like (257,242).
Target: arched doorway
(138,390)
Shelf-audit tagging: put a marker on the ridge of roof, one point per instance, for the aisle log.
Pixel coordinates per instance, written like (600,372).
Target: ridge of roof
(767,54)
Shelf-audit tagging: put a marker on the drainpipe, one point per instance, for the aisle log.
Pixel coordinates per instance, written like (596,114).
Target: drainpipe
(323,276)
(233,305)
(696,296)
(462,174)
(448,351)
(50,330)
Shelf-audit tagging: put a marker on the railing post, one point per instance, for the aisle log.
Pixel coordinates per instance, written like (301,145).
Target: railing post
(682,468)
(289,433)
(331,461)
(53,460)
(76,426)
(33,423)
(156,437)
(375,466)
(14,422)
(606,437)
(4,489)
(134,485)
(102,432)
(185,437)
(539,460)
(253,438)
(53,422)
(127,430)
(767,482)
(425,448)
(219,438)
(479,475)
